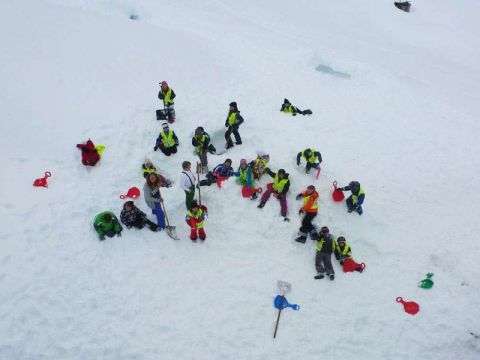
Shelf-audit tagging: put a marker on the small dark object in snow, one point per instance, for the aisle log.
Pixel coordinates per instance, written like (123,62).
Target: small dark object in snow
(404,5)
(133,17)
(476,336)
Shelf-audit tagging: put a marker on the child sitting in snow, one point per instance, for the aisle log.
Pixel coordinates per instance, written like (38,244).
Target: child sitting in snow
(106,223)
(90,155)
(288,108)
(131,216)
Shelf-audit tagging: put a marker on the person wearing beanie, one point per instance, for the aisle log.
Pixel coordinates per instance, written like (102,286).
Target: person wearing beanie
(355,200)
(232,123)
(167,141)
(106,224)
(309,211)
(195,218)
(131,216)
(288,108)
(279,187)
(166,94)
(312,157)
(219,173)
(201,142)
(323,257)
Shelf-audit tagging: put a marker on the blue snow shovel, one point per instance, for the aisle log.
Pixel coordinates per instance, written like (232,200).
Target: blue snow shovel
(280,302)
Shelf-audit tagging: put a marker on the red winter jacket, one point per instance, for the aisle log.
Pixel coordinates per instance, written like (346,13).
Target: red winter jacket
(90,155)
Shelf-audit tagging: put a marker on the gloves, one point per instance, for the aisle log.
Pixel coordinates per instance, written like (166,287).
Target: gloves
(155,148)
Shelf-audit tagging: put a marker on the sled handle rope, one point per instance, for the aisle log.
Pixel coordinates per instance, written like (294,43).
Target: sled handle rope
(47,174)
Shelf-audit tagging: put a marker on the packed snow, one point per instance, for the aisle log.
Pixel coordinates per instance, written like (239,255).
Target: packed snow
(395,99)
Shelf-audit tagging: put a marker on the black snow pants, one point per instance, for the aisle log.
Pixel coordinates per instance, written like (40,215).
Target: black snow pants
(323,263)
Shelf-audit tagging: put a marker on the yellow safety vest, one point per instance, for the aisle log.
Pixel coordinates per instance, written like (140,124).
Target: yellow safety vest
(312,159)
(196,215)
(167,138)
(346,251)
(355,197)
(288,109)
(232,118)
(167,97)
(279,184)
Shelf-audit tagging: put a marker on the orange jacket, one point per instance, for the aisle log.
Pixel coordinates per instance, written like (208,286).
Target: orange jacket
(310,202)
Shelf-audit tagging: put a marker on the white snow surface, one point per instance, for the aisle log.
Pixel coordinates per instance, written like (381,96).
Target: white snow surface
(403,119)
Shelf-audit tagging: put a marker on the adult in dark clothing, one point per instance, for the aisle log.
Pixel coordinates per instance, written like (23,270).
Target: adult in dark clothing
(201,141)
(166,94)
(232,123)
(90,155)
(323,257)
(219,172)
(288,108)
(312,157)
(131,216)
(167,141)
(279,188)
(355,200)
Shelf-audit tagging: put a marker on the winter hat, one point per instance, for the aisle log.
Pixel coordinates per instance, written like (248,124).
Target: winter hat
(341,239)
(233,104)
(285,101)
(281,171)
(311,187)
(307,152)
(199,130)
(164,125)
(163,83)
(128,203)
(324,230)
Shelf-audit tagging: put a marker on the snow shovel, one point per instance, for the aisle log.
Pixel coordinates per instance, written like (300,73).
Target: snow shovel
(280,302)
(337,195)
(170,229)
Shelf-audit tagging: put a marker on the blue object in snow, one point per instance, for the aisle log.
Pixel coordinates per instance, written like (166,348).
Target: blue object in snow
(281,303)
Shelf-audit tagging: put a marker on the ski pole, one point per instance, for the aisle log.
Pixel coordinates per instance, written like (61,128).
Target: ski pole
(276,324)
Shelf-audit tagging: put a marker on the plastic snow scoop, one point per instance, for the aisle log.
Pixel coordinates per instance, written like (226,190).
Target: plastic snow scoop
(132,193)
(350,265)
(337,195)
(100,149)
(280,302)
(247,191)
(42,181)
(410,307)
(426,283)
(169,229)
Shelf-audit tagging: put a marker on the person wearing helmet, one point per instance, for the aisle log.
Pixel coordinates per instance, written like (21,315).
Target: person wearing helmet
(219,173)
(259,165)
(232,123)
(167,141)
(355,200)
(201,141)
(343,251)
(309,211)
(279,187)
(323,257)
(167,95)
(312,157)
(195,218)
(288,108)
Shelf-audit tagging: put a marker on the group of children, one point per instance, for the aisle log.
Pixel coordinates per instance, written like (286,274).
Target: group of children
(247,173)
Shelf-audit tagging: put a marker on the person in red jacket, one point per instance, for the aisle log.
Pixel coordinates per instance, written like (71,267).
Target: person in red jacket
(309,209)
(90,155)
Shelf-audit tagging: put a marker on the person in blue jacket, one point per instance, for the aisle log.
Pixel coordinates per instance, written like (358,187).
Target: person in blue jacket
(223,170)
(356,199)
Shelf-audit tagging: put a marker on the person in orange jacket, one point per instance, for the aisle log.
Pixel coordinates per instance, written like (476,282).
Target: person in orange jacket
(195,219)
(309,211)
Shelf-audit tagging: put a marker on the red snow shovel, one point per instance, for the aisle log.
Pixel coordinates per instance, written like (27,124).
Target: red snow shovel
(247,191)
(42,181)
(410,307)
(133,193)
(337,195)
(350,265)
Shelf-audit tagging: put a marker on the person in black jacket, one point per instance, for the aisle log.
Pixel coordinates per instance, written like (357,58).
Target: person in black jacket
(232,123)
(131,216)
(201,141)
(279,188)
(288,108)
(323,257)
(354,202)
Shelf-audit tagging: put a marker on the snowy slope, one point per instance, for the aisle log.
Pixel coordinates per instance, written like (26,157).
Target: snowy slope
(399,114)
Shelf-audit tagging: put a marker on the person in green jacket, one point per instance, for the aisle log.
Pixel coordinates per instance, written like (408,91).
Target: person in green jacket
(106,223)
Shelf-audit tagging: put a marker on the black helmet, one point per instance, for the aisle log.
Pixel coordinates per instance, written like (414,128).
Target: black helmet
(199,130)
(324,230)
(354,186)
(341,239)
(307,152)
(281,172)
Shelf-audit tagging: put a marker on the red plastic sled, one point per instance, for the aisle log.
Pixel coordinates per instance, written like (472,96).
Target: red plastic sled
(337,195)
(410,307)
(133,193)
(42,181)
(350,265)
(247,191)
